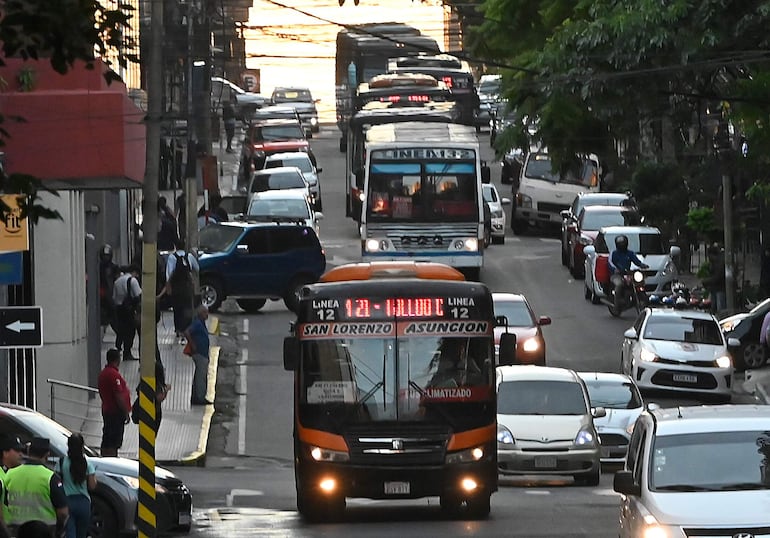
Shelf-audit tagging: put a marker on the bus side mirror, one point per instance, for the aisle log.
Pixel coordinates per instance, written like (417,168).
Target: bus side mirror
(290,353)
(507,349)
(486,175)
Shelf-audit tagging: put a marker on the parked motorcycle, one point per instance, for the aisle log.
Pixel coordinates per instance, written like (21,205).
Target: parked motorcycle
(630,294)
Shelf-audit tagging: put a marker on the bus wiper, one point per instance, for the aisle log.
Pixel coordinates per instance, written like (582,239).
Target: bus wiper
(363,400)
(437,406)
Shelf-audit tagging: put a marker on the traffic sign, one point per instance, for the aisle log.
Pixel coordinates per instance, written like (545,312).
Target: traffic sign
(14,234)
(21,326)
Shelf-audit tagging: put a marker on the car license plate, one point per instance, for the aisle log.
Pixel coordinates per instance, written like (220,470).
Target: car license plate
(185,519)
(397,488)
(685,378)
(545,462)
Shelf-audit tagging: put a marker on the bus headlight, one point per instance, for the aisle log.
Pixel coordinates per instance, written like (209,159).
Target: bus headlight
(325,454)
(376,245)
(465,456)
(471,244)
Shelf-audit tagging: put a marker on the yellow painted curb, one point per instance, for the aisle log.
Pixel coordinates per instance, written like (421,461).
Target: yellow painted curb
(198,457)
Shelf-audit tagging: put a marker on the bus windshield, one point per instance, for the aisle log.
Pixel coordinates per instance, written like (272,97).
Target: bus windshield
(387,379)
(434,191)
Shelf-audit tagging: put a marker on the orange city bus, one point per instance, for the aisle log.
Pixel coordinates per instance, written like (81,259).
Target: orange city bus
(394,384)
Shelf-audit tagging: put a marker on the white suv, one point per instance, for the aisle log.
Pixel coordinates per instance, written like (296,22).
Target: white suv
(697,471)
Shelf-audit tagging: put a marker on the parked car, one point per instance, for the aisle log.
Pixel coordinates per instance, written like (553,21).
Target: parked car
(696,471)
(302,100)
(647,242)
(545,424)
(284,206)
(521,321)
(585,229)
(114,502)
(585,199)
(620,397)
(745,327)
(497,212)
(265,137)
(255,261)
(306,167)
(245,102)
(283,178)
(678,350)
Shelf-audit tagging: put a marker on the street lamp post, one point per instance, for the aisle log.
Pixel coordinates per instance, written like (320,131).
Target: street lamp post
(725,151)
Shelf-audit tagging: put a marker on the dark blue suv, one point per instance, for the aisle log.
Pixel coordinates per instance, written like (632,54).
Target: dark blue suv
(255,261)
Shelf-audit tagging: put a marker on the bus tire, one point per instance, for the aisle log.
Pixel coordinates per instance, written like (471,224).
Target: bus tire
(477,507)
(315,509)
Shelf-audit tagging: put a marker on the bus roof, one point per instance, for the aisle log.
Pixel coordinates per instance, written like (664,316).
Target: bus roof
(391,269)
(421,131)
(377,113)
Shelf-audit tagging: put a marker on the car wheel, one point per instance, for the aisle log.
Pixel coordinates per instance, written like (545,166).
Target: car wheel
(753,356)
(590,479)
(564,257)
(586,293)
(104,522)
(291,299)
(212,293)
(519,226)
(251,305)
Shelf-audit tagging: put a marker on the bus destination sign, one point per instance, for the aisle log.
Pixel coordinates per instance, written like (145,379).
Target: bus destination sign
(393,308)
(400,154)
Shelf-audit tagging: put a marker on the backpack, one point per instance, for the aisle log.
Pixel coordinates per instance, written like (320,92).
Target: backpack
(182,271)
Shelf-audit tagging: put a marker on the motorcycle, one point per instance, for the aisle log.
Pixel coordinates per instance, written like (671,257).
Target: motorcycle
(629,294)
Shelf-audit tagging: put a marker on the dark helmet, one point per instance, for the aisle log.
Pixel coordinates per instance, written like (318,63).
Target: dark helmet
(105,253)
(621,242)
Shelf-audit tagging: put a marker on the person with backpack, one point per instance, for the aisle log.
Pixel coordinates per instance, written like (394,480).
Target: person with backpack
(127,296)
(179,286)
(78,476)
(168,232)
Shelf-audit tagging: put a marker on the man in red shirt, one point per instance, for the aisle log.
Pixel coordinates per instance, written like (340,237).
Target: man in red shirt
(116,404)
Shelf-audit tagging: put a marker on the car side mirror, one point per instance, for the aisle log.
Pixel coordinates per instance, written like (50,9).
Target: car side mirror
(507,354)
(543,320)
(486,174)
(733,342)
(623,482)
(675,251)
(319,215)
(630,334)
(505,201)
(589,250)
(598,412)
(290,353)
(319,170)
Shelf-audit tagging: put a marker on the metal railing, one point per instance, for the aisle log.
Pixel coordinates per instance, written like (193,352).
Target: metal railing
(73,403)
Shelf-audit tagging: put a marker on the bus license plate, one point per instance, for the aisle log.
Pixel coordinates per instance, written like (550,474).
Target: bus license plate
(397,488)
(545,462)
(685,378)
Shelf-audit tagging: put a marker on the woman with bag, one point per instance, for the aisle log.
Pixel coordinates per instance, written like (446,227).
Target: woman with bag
(78,478)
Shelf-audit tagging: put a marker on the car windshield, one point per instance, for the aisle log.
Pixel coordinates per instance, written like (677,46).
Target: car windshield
(269,133)
(490,194)
(595,220)
(277,181)
(233,204)
(613,394)
(293,95)
(683,329)
(647,243)
(581,172)
(536,397)
(217,238)
(292,208)
(302,162)
(35,425)
(711,461)
(516,312)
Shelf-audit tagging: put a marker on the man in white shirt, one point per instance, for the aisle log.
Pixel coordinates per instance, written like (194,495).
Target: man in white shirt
(127,296)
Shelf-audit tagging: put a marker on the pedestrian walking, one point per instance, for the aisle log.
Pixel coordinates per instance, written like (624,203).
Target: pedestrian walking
(78,478)
(116,404)
(180,267)
(228,117)
(715,280)
(35,492)
(198,337)
(168,232)
(127,296)
(108,273)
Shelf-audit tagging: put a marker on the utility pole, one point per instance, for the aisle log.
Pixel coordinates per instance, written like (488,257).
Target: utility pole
(148,424)
(725,150)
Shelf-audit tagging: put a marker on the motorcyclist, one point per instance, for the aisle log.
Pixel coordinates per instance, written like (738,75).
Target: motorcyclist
(620,262)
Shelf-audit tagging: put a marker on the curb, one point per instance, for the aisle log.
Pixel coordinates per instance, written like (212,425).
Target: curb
(197,458)
(762,392)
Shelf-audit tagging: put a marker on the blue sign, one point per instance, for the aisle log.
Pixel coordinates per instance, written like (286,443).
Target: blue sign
(10,268)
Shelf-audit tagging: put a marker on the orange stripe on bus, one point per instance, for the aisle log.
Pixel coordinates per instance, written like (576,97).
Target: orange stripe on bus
(321,439)
(471,438)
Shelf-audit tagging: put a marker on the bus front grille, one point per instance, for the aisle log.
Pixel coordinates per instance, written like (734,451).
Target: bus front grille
(397,447)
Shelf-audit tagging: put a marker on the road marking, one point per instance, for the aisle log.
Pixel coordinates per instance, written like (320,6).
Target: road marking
(245,325)
(242,493)
(537,492)
(242,407)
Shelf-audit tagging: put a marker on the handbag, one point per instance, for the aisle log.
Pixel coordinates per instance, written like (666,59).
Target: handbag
(188,349)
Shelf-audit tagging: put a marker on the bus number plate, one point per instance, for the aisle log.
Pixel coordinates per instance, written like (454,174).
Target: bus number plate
(397,488)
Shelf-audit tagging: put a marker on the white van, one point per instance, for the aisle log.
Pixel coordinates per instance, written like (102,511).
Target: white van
(541,193)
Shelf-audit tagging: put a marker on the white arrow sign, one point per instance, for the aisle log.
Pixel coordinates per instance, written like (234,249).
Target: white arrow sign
(18,326)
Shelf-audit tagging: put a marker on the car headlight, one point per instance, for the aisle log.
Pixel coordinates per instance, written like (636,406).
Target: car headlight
(724,361)
(325,454)
(522,200)
(504,436)
(652,528)
(585,437)
(497,214)
(530,345)
(648,356)
(466,456)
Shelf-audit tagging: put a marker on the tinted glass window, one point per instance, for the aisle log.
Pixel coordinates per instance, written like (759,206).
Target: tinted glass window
(287,238)
(215,238)
(516,312)
(676,329)
(594,220)
(613,394)
(302,162)
(540,398)
(277,181)
(256,241)
(288,96)
(291,208)
(278,132)
(580,172)
(644,243)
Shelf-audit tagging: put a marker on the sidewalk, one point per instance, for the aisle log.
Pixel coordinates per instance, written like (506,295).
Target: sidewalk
(184,430)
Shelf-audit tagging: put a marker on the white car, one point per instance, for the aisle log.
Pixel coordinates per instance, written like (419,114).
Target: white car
(283,205)
(302,161)
(678,350)
(697,471)
(545,424)
(283,178)
(620,397)
(647,242)
(492,198)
